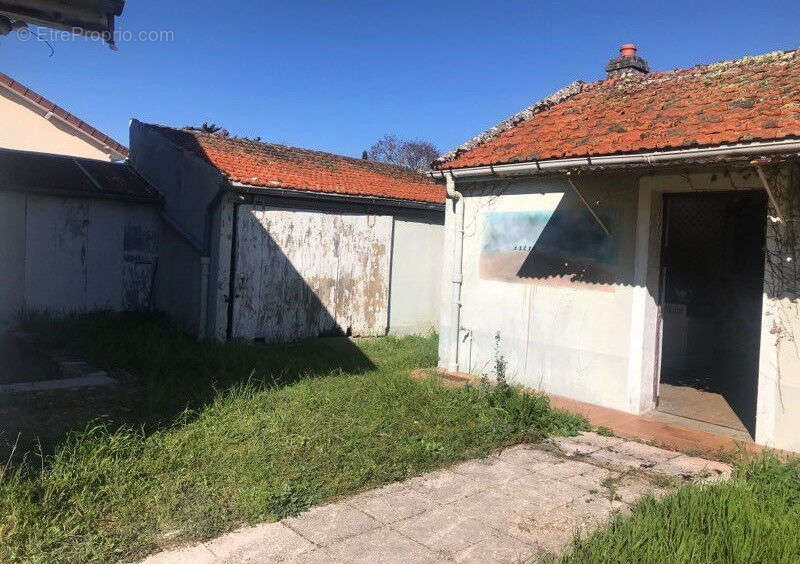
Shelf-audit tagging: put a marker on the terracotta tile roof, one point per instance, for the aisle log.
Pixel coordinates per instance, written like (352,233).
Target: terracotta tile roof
(278,166)
(78,124)
(749,99)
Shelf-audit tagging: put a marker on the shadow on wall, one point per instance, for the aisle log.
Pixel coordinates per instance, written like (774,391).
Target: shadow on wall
(557,247)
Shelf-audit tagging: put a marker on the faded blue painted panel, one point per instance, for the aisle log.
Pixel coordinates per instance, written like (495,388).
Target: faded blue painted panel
(565,244)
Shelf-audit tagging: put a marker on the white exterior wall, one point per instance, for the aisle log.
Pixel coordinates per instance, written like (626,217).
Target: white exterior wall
(554,334)
(69,254)
(415,285)
(601,346)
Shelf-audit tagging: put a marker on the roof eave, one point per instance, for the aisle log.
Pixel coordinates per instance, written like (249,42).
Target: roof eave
(304,193)
(717,153)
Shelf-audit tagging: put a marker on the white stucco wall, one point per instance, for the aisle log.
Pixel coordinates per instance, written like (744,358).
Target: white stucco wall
(71,254)
(599,343)
(26,128)
(553,332)
(415,293)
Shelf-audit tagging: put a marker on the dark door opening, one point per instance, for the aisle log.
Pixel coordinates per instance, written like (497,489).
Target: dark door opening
(712,276)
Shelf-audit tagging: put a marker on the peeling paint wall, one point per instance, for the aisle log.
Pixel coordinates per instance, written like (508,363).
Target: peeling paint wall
(69,254)
(302,274)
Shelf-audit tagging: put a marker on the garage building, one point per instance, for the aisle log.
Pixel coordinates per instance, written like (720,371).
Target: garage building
(276,244)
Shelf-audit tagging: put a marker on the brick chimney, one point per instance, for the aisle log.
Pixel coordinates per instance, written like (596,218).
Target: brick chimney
(628,64)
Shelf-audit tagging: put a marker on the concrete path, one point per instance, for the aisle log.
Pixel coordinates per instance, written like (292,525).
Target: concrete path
(517,505)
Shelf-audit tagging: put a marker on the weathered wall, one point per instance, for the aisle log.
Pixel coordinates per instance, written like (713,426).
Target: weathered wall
(12,255)
(25,128)
(552,315)
(571,329)
(778,415)
(187,183)
(301,274)
(69,254)
(415,285)
(176,290)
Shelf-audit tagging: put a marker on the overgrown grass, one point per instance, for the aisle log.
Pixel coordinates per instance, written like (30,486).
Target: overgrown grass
(271,431)
(755,517)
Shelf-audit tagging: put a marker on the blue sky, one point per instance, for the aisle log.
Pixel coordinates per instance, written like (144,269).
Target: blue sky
(323,76)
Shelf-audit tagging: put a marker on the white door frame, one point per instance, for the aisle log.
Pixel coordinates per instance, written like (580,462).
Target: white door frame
(643,366)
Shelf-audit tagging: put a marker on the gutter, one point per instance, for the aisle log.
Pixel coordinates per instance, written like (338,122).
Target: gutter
(741,150)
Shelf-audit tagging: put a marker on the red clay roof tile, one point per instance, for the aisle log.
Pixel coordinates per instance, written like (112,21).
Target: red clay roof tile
(753,98)
(270,165)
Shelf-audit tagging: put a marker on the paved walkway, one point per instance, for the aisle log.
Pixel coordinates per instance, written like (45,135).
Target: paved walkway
(519,504)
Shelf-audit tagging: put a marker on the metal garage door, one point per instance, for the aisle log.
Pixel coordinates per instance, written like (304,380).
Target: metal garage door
(301,274)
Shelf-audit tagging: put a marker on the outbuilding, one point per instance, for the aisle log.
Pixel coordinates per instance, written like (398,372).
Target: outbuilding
(76,235)
(633,243)
(273,243)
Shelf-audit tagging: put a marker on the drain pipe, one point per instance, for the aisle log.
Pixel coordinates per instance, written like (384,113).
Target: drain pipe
(458,274)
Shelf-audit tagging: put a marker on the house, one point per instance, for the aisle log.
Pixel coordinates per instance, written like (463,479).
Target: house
(77,232)
(632,243)
(34,123)
(273,243)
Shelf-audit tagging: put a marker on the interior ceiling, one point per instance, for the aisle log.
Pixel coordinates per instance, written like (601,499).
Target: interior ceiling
(87,16)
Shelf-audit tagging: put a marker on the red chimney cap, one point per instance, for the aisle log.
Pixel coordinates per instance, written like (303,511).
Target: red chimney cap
(627,50)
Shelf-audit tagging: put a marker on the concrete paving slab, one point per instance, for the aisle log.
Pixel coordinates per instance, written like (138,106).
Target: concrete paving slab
(620,461)
(519,504)
(691,467)
(644,452)
(593,479)
(393,505)
(566,469)
(528,456)
(497,471)
(445,486)
(198,554)
(572,446)
(328,523)
(383,545)
(498,549)
(269,542)
(594,439)
(445,529)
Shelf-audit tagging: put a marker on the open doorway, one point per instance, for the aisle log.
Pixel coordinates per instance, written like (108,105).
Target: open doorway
(712,272)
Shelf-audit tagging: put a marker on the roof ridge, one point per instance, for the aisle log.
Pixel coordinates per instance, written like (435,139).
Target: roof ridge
(546,103)
(247,141)
(67,117)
